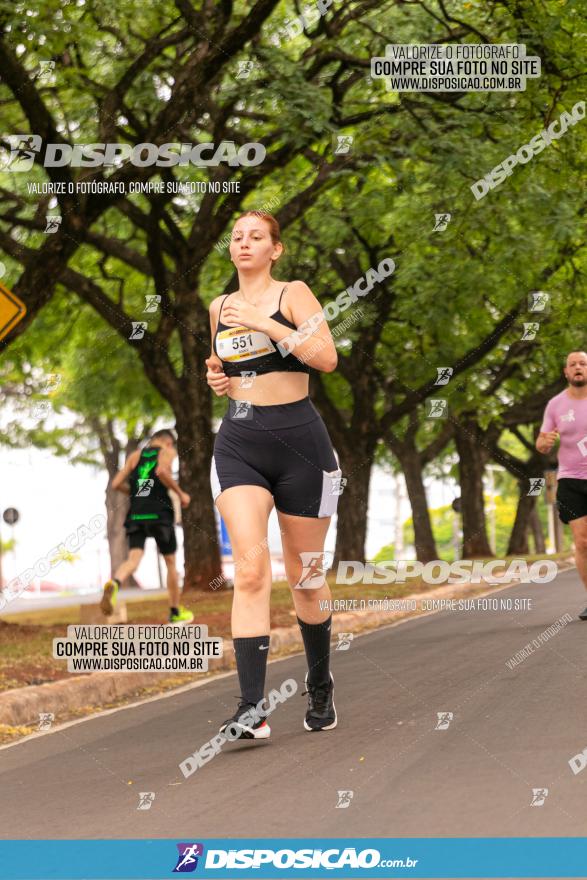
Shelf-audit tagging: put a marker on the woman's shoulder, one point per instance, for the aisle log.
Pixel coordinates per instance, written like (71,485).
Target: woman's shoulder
(216,303)
(296,286)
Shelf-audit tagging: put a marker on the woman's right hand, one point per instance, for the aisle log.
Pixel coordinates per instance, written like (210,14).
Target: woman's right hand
(215,377)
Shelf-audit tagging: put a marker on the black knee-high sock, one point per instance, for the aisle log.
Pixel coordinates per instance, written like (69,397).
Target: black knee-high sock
(316,638)
(251,663)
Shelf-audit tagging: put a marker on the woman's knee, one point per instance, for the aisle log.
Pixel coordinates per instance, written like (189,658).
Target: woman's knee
(252,578)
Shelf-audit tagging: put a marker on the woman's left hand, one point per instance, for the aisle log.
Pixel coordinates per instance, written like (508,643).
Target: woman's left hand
(238,313)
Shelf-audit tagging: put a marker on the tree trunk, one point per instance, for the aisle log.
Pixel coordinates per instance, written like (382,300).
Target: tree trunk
(468,438)
(537,532)
(424,542)
(195,448)
(116,509)
(518,542)
(351,524)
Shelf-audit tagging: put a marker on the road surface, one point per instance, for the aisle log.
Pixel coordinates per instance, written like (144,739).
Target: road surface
(512,731)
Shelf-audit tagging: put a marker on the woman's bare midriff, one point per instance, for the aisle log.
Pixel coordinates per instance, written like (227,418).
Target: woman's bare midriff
(270,389)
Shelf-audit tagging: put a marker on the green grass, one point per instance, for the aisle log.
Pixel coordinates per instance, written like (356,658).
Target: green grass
(26,638)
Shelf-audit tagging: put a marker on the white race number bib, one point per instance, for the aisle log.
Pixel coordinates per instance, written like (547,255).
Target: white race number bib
(242,344)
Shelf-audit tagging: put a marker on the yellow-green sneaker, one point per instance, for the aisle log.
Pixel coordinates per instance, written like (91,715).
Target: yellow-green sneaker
(109,597)
(184,616)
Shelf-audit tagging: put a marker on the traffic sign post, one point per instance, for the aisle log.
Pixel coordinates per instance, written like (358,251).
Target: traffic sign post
(10,516)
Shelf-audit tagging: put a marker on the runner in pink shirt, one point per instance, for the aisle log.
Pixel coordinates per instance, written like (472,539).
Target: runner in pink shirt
(565,419)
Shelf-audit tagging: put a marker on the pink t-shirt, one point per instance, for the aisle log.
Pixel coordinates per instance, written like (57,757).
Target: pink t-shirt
(568,416)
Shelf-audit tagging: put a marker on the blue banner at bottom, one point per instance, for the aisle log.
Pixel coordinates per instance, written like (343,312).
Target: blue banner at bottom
(368,858)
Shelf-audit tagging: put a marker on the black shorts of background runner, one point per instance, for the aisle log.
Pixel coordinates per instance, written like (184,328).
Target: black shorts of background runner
(285,448)
(164,534)
(571,499)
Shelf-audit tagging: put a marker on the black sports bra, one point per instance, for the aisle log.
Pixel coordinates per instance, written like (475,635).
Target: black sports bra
(245,350)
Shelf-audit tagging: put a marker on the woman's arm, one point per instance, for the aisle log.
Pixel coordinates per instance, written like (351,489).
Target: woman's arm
(215,376)
(311,343)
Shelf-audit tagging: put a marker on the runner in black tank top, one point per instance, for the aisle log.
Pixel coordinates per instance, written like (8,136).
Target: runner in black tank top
(150,501)
(146,477)
(273,449)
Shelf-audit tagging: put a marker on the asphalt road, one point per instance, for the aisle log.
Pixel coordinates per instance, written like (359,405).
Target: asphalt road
(512,731)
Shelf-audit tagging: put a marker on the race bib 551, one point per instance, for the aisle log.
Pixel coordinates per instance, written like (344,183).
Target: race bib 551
(242,344)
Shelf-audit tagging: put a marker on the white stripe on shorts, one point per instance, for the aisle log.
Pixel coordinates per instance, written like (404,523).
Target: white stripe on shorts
(214,481)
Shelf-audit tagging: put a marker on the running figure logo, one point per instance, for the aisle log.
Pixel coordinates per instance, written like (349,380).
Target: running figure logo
(21,158)
(244,69)
(247,377)
(436,409)
(187,860)
(344,641)
(53,223)
(40,409)
(144,482)
(146,799)
(538,301)
(45,68)
(144,488)
(343,144)
(536,485)
(344,799)
(539,795)
(314,566)
(444,719)
(338,483)
(441,222)
(138,329)
(569,416)
(444,374)
(45,720)
(152,300)
(530,331)
(242,409)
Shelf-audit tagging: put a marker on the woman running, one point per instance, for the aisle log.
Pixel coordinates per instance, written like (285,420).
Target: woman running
(273,449)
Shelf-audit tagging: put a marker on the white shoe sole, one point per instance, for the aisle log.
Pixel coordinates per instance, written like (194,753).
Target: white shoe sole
(328,726)
(261,733)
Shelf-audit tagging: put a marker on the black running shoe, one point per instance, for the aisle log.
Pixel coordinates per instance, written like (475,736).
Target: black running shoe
(246,728)
(583,615)
(321,714)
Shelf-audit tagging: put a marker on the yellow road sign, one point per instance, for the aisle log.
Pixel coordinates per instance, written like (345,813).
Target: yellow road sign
(12,310)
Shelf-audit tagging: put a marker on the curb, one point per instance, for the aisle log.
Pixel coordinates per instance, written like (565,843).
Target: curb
(22,706)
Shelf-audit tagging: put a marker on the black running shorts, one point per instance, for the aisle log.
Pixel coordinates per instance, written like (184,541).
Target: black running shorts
(164,534)
(571,499)
(283,448)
